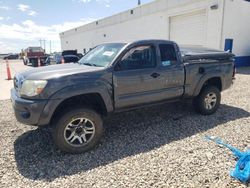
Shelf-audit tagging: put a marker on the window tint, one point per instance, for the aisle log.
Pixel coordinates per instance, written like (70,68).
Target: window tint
(139,58)
(168,54)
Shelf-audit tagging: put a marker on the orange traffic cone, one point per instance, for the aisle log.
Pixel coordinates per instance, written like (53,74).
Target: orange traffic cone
(8,70)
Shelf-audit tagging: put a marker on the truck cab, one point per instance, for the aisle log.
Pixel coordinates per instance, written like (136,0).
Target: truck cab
(148,72)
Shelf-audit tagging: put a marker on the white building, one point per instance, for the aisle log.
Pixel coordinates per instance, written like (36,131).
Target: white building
(188,22)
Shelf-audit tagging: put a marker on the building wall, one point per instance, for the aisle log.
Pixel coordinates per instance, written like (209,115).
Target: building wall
(237,27)
(147,22)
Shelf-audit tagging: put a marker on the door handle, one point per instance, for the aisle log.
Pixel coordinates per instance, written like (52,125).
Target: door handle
(155,75)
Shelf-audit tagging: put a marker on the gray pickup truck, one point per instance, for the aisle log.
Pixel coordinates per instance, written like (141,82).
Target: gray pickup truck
(114,77)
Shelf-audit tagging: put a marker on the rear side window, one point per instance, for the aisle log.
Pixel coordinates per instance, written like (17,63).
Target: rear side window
(168,54)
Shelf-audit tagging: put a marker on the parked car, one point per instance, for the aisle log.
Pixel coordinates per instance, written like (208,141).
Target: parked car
(11,56)
(69,52)
(58,58)
(79,55)
(70,58)
(50,60)
(117,77)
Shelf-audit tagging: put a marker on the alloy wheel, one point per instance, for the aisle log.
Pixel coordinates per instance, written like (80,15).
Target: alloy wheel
(79,132)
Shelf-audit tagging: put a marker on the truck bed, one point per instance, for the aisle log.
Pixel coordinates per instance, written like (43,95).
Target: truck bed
(200,63)
(198,53)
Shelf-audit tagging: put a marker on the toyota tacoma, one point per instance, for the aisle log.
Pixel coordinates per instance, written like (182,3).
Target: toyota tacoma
(114,77)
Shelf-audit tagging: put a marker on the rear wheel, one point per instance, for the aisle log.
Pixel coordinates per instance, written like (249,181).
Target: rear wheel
(25,62)
(78,130)
(208,101)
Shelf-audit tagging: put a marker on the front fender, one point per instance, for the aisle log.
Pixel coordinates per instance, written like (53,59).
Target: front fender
(74,90)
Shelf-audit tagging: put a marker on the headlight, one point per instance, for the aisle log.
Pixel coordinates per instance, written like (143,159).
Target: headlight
(32,88)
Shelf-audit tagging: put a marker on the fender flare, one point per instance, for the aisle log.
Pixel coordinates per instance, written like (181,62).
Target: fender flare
(70,91)
(205,78)
(75,90)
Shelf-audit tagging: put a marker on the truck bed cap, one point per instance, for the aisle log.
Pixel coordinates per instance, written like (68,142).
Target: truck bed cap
(198,52)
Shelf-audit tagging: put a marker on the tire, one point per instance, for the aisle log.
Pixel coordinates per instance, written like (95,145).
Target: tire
(77,122)
(209,94)
(25,62)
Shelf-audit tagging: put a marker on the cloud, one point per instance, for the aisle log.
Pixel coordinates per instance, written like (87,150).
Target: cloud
(28,23)
(84,1)
(5,18)
(4,7)
(28,32)
(26,8)
(88,1)
(5,48)
(23,7)
(106,3)
(32,13)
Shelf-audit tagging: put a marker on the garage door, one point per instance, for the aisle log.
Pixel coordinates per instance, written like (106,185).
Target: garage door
(188,29)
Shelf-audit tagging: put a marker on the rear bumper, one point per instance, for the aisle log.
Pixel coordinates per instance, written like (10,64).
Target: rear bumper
(27,111)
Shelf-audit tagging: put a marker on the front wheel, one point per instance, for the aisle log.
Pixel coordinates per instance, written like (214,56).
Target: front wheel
(78,130)
(208,101)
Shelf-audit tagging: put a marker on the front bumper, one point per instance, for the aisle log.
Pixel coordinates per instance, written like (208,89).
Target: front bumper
(27,111)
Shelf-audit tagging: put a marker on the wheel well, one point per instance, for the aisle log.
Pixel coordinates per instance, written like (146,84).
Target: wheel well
(216,81)
(92,100)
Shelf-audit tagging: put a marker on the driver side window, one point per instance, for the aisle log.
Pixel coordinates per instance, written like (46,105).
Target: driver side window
(140,57)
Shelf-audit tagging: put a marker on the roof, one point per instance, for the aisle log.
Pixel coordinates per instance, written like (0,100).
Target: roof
(138,11)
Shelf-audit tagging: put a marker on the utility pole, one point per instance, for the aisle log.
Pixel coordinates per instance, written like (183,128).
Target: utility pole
(40,43)
(44,43)
(50,46)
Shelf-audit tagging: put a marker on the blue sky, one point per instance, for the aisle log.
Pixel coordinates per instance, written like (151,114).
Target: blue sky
(24,22)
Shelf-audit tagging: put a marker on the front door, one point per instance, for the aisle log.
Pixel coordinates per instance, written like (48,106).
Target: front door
(136,80)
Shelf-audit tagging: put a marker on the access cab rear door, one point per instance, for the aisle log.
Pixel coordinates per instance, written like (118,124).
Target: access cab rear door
(147,72)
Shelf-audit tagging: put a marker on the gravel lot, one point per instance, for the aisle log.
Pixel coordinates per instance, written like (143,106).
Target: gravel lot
(162,146)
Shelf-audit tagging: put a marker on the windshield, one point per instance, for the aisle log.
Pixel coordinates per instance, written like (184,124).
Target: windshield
(102,55)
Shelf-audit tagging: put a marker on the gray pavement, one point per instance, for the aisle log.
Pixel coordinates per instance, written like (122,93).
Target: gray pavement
(5,85)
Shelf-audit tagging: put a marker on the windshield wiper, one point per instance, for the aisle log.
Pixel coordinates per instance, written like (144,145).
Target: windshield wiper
(89,64)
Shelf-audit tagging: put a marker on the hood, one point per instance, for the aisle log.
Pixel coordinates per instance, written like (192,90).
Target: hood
(56,71)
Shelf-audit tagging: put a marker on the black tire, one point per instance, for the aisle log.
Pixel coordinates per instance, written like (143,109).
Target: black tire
(60,132)
(200,104)
(25,62)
